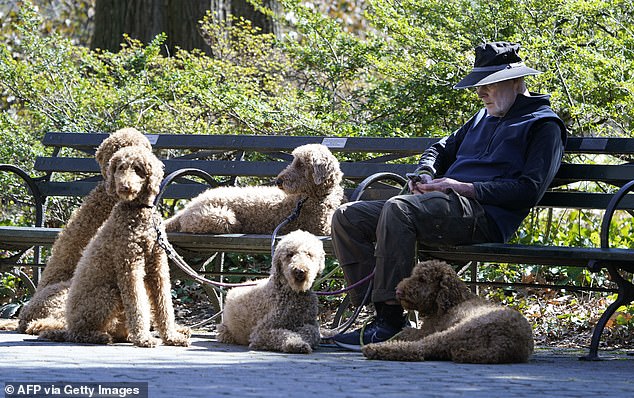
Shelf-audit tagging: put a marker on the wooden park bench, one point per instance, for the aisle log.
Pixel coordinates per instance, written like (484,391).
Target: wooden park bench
(373,168)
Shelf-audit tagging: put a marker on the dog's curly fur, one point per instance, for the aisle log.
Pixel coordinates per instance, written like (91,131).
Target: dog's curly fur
(314,174)
(50,296)
(456,324)
(278,313)
(123,277)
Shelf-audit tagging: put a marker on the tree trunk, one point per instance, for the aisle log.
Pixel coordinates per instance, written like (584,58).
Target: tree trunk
(183,24)
(145,19)
(242,8)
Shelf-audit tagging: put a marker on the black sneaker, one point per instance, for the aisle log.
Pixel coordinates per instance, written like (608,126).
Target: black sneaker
(376,331)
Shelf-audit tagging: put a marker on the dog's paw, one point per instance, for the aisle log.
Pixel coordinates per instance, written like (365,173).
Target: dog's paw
(9,324)
(184,330)
(38,326)
(370,351)
(53,335)
(387,352)
(146,341)
(296,346)
(177,339)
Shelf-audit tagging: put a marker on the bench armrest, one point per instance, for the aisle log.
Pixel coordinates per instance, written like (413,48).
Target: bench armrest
(180,173)
(609,213)
(33,189)
(374,178)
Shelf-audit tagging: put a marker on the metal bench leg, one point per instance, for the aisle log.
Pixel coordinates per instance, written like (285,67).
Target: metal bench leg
(624,297)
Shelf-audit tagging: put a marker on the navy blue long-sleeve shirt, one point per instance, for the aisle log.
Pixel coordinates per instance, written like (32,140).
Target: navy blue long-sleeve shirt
(511,160)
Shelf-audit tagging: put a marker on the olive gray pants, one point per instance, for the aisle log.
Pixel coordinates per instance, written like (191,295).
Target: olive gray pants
(382,235)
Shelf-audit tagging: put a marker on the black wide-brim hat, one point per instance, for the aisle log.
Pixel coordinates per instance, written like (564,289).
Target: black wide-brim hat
(496,62)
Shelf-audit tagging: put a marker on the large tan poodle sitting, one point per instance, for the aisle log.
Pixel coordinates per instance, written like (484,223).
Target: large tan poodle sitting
(49,299)
(278,313)
(313,175)
(122,281)
(456,324)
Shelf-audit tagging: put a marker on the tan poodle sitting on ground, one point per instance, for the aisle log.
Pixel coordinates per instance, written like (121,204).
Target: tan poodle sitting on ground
(123,277)
(279,313)
(456,324)
(49,299)
(313,175)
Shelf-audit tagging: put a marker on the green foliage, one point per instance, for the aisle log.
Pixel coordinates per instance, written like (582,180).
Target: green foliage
(393,79)
(11,290)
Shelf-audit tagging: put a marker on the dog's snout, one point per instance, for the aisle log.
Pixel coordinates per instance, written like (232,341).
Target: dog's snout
(399,293)
(125,187)
(279,182)
(299,274)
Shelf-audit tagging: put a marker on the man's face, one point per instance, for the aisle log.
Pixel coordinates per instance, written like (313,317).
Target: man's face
(498,97)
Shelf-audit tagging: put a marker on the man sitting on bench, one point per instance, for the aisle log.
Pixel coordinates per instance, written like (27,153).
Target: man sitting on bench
(475,185)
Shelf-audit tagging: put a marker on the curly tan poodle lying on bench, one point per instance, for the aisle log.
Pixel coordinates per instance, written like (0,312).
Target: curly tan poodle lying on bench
(313,175)
(456,324)
(122,279)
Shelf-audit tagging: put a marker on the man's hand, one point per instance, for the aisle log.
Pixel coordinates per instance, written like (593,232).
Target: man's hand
(412,185)
(442,185)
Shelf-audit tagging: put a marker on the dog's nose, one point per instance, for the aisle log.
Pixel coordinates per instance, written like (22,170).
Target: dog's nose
(125,188)
(299,274)
(399,293)
(279,182)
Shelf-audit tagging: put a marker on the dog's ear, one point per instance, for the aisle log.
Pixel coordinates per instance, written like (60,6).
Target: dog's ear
(319,171)
(451,291)
(325,167)
(111,188)
(276,262)
(153,169)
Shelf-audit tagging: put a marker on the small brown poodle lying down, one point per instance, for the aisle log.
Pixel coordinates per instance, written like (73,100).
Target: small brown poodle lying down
(456,324)
(314,175)
(278,313)
(49,299)
(122,280)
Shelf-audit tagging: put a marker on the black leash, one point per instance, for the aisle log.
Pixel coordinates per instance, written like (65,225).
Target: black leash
(292,217)
(177,259)
(162,241)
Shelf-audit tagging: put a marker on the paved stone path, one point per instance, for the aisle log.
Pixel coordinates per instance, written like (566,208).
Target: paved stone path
(211,369)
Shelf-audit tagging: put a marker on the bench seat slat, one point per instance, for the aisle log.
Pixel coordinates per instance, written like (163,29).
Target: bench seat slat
(537,254)
(21,237)
(258,243)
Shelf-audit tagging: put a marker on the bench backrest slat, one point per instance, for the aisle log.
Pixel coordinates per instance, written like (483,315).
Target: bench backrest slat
(255,143)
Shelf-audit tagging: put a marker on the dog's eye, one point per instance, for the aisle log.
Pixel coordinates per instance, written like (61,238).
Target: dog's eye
(139,171)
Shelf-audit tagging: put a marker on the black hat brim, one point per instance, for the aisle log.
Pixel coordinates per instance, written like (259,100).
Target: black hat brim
(475,79)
